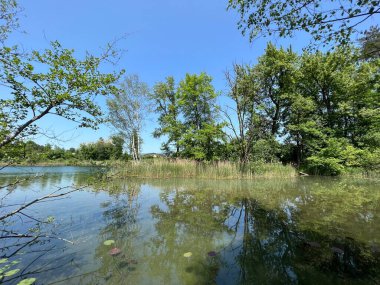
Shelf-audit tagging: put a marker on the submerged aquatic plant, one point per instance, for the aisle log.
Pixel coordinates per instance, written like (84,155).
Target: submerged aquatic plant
(115,251)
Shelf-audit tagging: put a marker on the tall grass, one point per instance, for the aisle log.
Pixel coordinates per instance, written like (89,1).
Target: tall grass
(162,168)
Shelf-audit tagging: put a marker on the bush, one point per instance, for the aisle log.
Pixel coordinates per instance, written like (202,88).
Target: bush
(324,166)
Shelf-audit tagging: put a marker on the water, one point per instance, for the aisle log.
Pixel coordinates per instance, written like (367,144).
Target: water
(290,231)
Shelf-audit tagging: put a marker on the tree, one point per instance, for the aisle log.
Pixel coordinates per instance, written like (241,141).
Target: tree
(128,110)
(165,98)
(66,87)
(203,134)
(242,90)
(275,76)
(326,22)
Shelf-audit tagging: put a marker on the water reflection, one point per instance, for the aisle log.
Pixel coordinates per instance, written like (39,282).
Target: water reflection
(296,231)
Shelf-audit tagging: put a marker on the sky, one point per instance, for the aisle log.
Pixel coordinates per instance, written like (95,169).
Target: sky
(161,38)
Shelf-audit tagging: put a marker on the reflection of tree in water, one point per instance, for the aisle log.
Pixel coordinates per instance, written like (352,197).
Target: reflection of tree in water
(187,223)
(269,247)
(121,226)
(273,251)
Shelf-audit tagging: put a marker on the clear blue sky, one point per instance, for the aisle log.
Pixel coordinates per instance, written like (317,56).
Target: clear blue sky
(168,37)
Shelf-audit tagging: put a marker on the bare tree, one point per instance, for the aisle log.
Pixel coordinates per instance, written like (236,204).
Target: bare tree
(242,91)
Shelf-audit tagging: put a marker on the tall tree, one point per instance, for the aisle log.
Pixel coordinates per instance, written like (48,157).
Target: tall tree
(128,111)
(275,76)
(203,134)
(243,92)
(166,101)
(331,21)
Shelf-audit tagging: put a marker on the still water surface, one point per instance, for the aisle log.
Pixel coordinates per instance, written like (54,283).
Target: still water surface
(290,231)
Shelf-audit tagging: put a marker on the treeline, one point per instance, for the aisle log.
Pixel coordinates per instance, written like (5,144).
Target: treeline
(318,111)
(31,152)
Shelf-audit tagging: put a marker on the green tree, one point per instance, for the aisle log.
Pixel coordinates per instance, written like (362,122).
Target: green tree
(275,76)
(166,101)
(66,88)
(203,135)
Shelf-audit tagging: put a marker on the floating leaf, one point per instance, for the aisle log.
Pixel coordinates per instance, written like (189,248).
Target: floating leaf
(109,242)
(11,272)
(187,254)
(3,260)
(28,281)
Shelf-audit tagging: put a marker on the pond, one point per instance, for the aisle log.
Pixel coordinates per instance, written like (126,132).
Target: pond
(138,231)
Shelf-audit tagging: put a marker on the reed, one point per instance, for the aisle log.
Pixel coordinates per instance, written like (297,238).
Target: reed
(180,168)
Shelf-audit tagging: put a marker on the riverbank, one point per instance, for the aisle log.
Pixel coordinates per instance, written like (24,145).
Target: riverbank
(181,168)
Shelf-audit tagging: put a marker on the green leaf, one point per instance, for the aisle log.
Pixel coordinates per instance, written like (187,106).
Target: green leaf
(188,254)
(11,272)
(3,260)
(109,242)
(28,281)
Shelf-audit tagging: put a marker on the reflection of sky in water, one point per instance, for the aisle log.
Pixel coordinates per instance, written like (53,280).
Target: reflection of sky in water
(293,231)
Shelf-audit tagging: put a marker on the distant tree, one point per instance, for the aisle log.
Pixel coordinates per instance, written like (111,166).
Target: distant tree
(326,21)
(128,110)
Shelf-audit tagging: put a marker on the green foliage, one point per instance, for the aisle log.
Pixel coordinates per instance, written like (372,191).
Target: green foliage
(9,10)
(334,158)
(334,22)
(6,268)
(166,100)
(322,110)
(188,117)
(66,87)
(102,150)
(28,281)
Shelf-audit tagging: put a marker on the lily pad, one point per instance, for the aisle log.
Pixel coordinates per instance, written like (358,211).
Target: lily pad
(115,251)
(28,281)
(188,254)
(11,272)
(109,242)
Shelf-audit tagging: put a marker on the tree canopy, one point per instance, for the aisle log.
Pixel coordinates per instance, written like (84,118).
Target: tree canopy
(326,21)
